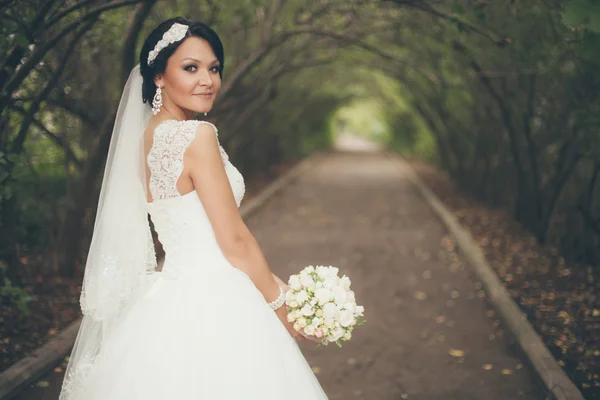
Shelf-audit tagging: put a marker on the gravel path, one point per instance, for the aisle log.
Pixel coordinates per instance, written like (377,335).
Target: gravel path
(429,332)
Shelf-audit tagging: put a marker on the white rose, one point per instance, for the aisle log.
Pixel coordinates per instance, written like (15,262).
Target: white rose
(316,321)
(339,295)
(328,323)
(297,326)
(289,296)
(346,318)
(330,311)
(336,334)
(293,304)
(359,311)
(307,310)
(330,282)
(350,307)
(322,272)
(309,330)
(319,313)
(291,317)
(313,301)
(301,297)
(294,282)
(345,283)
(310,268)
(350,297)
(301,322)
(297,314)
(347,336)
(303,273)
(333,271)
(318,285)
(323,295)
(307,281)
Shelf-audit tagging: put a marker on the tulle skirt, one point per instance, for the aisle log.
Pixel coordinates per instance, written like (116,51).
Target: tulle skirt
(204,333)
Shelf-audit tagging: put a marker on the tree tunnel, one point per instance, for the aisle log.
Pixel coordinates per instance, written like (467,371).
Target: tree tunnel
(503,95)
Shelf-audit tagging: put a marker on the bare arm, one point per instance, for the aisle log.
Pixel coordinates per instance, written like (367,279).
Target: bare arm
(204,166)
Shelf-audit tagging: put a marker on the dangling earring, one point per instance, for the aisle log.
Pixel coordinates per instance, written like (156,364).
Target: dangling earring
(205,114)
(157,101)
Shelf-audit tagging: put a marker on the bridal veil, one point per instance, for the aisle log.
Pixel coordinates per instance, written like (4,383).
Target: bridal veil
(121,257)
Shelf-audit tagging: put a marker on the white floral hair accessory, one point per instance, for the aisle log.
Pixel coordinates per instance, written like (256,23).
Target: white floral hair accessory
(175,33)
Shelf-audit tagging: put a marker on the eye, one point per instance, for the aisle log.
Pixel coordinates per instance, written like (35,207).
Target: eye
(215,69)
(190,68)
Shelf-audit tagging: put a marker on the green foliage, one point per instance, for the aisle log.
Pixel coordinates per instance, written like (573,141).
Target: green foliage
(16,295)
(583,13)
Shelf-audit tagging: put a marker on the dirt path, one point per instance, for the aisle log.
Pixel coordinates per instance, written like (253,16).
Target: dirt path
(424,309)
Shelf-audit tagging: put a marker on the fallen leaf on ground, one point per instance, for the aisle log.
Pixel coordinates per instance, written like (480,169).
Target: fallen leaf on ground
(506,371)
(42,384)
(487,367)
(420,295)
(456,353)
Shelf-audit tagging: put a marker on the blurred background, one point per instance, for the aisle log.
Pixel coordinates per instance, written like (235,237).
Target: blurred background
(501,96)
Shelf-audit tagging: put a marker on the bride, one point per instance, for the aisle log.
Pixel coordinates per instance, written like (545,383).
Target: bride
(212,323)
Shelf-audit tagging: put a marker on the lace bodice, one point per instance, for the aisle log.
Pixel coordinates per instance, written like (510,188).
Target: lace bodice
(165,159)
(181,222)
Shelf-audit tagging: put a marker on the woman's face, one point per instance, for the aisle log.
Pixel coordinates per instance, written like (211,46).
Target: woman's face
(191,80)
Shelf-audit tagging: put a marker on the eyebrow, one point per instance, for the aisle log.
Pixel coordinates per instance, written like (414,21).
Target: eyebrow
(215,61)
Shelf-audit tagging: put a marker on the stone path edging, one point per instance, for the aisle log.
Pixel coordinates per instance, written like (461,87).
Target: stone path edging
(538,355)
(50,354)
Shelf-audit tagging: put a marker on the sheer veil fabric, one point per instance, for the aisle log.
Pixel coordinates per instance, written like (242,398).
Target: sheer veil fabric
(121,258)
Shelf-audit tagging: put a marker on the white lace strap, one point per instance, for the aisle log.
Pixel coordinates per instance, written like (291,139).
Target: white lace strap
(165,159)
(224,155)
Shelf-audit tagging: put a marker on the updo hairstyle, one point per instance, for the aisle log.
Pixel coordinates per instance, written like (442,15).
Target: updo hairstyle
(159,65)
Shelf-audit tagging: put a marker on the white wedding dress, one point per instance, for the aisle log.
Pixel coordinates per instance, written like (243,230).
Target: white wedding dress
(201,330)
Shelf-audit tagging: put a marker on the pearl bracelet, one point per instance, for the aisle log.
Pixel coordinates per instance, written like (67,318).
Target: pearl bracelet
(278,302)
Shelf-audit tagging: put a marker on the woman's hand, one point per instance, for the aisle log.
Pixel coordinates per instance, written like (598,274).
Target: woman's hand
(281,313)
(297,335)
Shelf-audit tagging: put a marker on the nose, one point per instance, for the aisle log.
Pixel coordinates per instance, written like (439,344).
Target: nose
(204,79)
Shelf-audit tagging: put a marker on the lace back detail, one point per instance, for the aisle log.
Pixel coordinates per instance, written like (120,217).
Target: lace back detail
(165,158)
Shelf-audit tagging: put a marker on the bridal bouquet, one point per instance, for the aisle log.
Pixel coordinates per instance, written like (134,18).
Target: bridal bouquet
(321,304)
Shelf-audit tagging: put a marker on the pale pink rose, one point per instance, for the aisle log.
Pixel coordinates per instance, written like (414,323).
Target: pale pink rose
(309,330)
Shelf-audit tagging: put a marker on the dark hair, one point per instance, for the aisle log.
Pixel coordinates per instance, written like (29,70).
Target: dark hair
(196,29)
